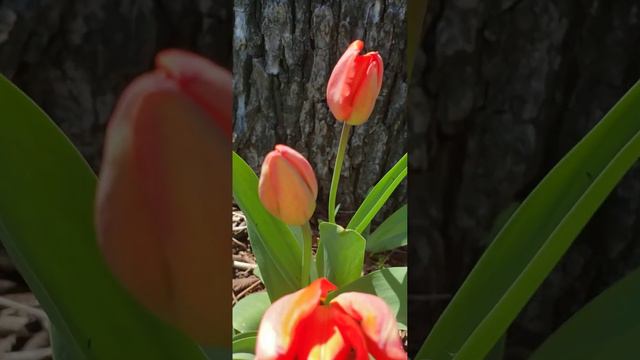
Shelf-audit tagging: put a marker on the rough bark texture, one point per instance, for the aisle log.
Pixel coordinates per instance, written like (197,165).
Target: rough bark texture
(284,52)
(503,89)
(74,57)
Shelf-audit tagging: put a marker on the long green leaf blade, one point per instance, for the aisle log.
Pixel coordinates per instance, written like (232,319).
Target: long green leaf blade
(606,328)
(378,196)
(391,234)
(46,224)
(537,235)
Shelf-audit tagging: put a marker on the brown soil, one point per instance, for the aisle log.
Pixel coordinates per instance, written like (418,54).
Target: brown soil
(23,325)
(244,282)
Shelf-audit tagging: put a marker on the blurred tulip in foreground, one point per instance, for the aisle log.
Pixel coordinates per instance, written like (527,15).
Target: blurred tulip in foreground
(355,84)
(164,194)
(288,186)
(351,326)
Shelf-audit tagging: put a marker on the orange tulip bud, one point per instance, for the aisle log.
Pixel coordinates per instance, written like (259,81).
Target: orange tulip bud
(288,188)
(301,326)
(355,84)
(164,194)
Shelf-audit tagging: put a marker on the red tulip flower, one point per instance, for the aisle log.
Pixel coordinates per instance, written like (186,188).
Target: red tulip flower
(354,85)
(288,188)
(351,326)
(161,212)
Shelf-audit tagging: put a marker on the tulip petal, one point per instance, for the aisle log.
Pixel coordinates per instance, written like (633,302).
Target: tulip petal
(208,84)
(351,333)
(288,187)
(302,165)
(268,185)
(160,214)
(377,59)
(318,337)
(376,321)
(365,99)
(340,89)
(280,321)
(354,85)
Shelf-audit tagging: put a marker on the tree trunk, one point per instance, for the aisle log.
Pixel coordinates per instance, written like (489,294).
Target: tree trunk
(75,57)
(284,52)
(503,89)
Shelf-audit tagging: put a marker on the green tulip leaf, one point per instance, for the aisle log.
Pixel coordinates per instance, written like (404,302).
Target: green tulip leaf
(248,312)
(390,284)
(391,234)
(62,346)
(46,224)
(275,247)
(497,352)
(297,234)
(245,343)
(257,273)
(243,356)
(378,196)
(536,236)
(606,328)
(343,253)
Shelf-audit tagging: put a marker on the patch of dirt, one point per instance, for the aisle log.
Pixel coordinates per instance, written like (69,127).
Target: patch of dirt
(24,326)
(244,262)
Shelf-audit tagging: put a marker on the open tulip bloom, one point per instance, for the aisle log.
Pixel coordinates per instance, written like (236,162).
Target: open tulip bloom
(304,325)
(299,322)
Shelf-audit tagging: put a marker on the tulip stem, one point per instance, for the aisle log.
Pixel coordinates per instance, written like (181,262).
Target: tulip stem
(306,254)
(337,169)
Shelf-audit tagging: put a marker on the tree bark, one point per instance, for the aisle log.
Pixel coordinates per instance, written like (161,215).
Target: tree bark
(502,90)
(75,57)
(284,52)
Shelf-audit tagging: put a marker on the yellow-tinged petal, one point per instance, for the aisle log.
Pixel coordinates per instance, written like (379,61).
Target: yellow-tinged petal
(288,187)
(279,324)
(377,323)
(318,337)
(302,166)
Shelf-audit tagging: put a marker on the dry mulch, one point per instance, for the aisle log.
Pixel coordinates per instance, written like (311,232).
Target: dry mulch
(24,333)
(244,282)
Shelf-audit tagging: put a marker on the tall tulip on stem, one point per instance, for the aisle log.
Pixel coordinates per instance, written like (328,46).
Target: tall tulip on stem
(352,90)
(288,190)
